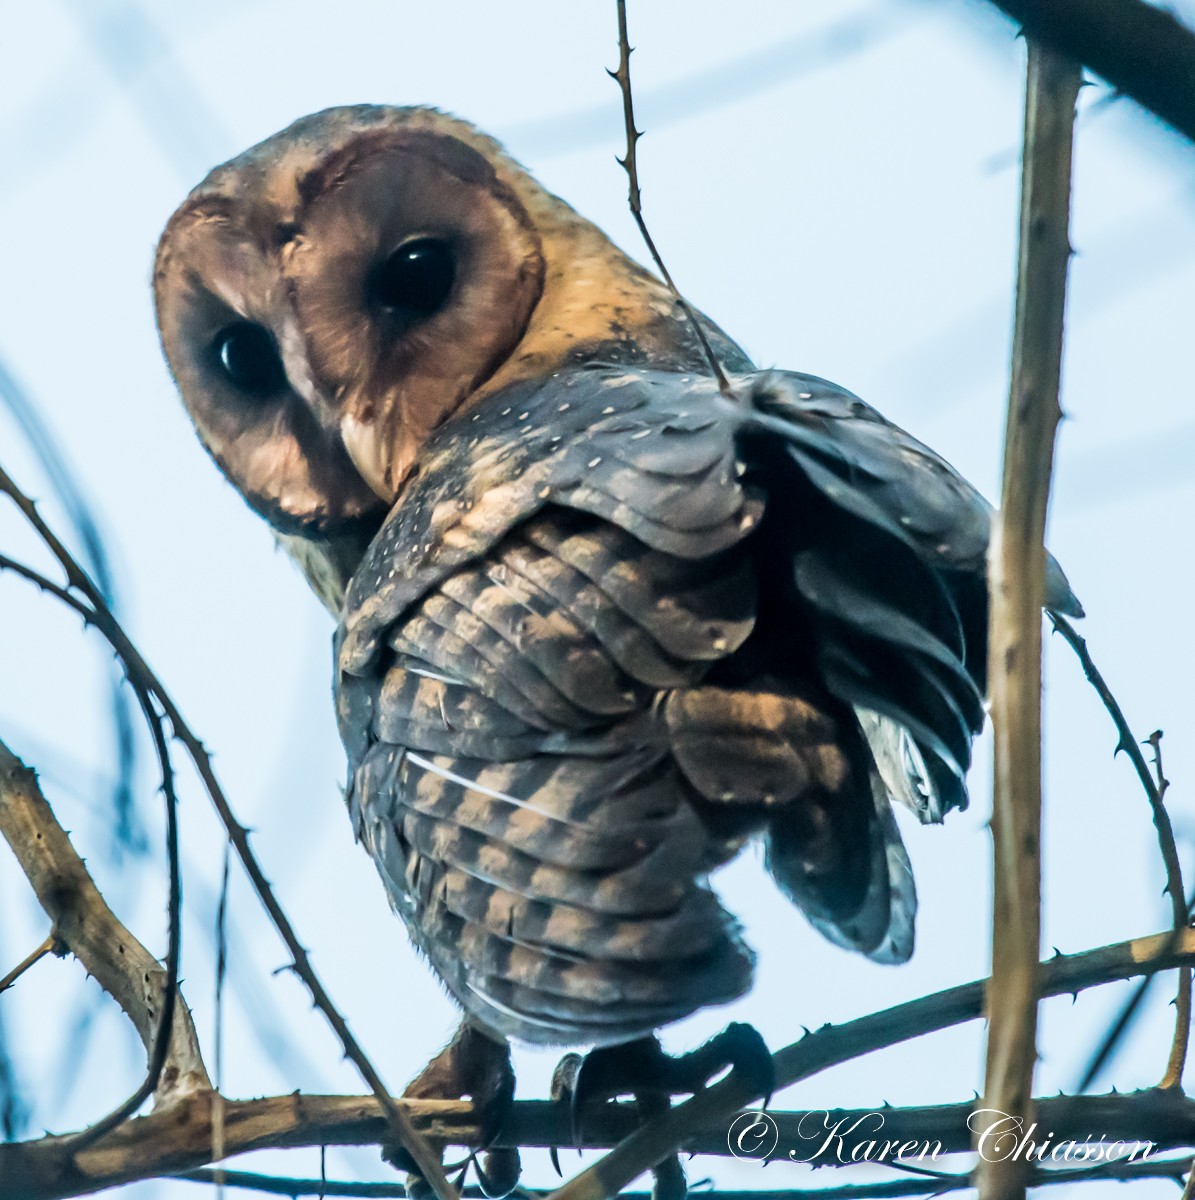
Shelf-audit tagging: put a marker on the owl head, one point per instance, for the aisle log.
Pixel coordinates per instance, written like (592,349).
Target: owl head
(335,293)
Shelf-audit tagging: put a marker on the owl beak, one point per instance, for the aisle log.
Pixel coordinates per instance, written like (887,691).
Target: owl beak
(335,411)
(380,449)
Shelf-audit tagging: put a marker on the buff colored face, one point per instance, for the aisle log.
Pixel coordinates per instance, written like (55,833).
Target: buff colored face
(326,299)
(332,295)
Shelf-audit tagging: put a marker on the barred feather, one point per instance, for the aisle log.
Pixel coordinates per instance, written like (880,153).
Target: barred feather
(617,627)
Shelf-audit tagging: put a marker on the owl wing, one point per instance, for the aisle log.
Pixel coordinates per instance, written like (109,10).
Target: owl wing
(896,579)
(519,795)
(618,624)
(500,658)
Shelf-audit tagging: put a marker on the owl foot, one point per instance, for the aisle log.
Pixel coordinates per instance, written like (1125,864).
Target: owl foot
(642,1070)
(472,1065)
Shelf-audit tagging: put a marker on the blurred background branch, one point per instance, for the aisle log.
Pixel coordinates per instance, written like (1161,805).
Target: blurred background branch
(1142,50)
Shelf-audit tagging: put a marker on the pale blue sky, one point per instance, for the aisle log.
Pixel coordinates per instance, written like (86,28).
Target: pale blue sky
(835,183)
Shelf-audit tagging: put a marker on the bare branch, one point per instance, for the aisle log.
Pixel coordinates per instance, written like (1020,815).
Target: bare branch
(1155,791)
(175,1142)
(88,928)
(180,1139)
(1189,1186)
(1140,49)
(159,1048)
(891,1189)
(1177,1061)
(139,672)
(49,946)
(1016,573)
(161,1044)
(630,164)
(278,1185)
(835,1044)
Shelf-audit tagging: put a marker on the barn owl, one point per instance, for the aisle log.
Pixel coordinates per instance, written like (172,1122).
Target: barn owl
(600,625)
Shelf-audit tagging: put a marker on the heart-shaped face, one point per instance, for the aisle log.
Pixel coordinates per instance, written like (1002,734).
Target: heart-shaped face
(332,295)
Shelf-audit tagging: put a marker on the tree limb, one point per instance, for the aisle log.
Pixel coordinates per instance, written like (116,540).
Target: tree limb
(622,76)
(890,1189)
(1016,585)
(85,925)
(96,612)
(1180,905)
(1141,50)
(160,1047)
(178,1140)
(834,1044)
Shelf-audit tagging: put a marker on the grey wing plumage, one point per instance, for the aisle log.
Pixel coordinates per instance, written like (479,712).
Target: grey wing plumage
(519,795)
(500,659)
(617,626)
(897,583)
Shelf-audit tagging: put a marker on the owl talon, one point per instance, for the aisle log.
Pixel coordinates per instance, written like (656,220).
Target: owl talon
(472,1065)
(564,1078)
(642,1069)
(498,1172)
(563,1090)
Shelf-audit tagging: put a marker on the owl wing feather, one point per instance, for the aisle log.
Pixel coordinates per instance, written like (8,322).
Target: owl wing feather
(616,625)
(521,802)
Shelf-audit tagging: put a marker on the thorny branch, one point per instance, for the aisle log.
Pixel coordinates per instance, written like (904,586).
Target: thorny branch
(1016,585)
(162,1037)
(97,613)
(939,1184)
(630,164)
(1155,794)
(85,925)
(835,1044)
(180,1134)
(175,1142)
(178,1138)
(1181,910)
(159,1047)
(49,946)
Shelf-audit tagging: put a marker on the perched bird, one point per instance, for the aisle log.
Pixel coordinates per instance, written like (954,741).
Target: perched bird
(600,625)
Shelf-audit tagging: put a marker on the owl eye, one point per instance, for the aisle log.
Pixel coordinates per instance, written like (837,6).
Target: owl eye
(415,281)
(249,357)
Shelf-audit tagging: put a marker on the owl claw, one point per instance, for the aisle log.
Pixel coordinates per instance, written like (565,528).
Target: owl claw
(642,1070)
(498,1172)
(564,1089)
(473,1065)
